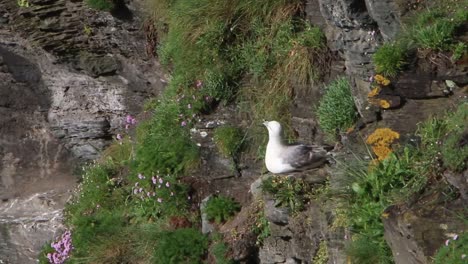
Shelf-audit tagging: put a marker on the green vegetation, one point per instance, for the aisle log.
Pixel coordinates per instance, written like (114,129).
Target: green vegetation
(389,59)
(220,208)
(445,136)
(455,252)
(253,52)
(337,111)
(219,250)
(366,251)
(435,28)
(287,191)
(164,143)
(370,187)
(321,257)
(229,140)
(262,226)
(104,5)
(460,49)
(185,245)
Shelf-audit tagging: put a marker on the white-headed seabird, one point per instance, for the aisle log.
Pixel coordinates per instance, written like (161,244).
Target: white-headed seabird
(284,158)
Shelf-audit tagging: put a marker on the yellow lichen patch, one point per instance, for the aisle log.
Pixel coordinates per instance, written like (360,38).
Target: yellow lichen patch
(381,80)
(384,104)
(381,140)
(375,91)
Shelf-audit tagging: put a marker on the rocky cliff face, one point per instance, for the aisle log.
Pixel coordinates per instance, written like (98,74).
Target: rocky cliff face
(68,77)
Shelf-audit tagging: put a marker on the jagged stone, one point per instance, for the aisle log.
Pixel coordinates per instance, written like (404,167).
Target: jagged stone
(416,233)
(277,215)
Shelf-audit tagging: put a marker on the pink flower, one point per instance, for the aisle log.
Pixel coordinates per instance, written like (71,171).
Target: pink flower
(184,123)
(159,200)
(140,176)
(167,184)
(199,83)
(447,242)
(153,179)
(161,180)
(189,106)
(140,190)
(119,137)
(455,237)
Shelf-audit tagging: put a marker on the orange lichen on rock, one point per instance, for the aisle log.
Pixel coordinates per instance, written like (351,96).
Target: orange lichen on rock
(375,91)
(384,104)
(381,80)
(381,140)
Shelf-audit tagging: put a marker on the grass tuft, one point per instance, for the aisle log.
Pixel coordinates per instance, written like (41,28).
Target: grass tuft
(389,59)
(336,111)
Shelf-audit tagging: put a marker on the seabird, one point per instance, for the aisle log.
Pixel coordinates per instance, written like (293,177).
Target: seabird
(283,158)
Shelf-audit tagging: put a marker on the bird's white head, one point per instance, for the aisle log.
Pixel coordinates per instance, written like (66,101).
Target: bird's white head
(274,128)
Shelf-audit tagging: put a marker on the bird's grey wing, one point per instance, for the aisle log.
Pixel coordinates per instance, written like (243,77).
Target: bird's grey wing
(303,156)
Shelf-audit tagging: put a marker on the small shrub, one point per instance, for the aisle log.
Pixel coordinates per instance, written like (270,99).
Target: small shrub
(336,111)
(104,5)
(389,59)
(228,139)
(220,208)
(185,245)
(455,251)
(287,191)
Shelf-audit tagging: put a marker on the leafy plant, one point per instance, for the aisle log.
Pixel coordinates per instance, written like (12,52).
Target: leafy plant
(389,59)
(220,208)
(336,111)
(104,5)
(287,191)
(184,245)
(454,251)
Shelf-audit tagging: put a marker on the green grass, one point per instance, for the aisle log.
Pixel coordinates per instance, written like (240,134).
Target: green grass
(219,250)
(164,144)
(453,253)
(389,59)
(442,138)
(370,187)
(221,208)
(229,140)
(336,111)
(104,5)
(366,251)
(185,245)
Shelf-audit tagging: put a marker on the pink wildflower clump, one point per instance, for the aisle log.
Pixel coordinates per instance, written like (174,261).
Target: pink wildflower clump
(62,248)
(130,121)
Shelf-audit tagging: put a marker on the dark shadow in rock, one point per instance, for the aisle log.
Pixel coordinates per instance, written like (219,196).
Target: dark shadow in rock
(20,68)
(121,11)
